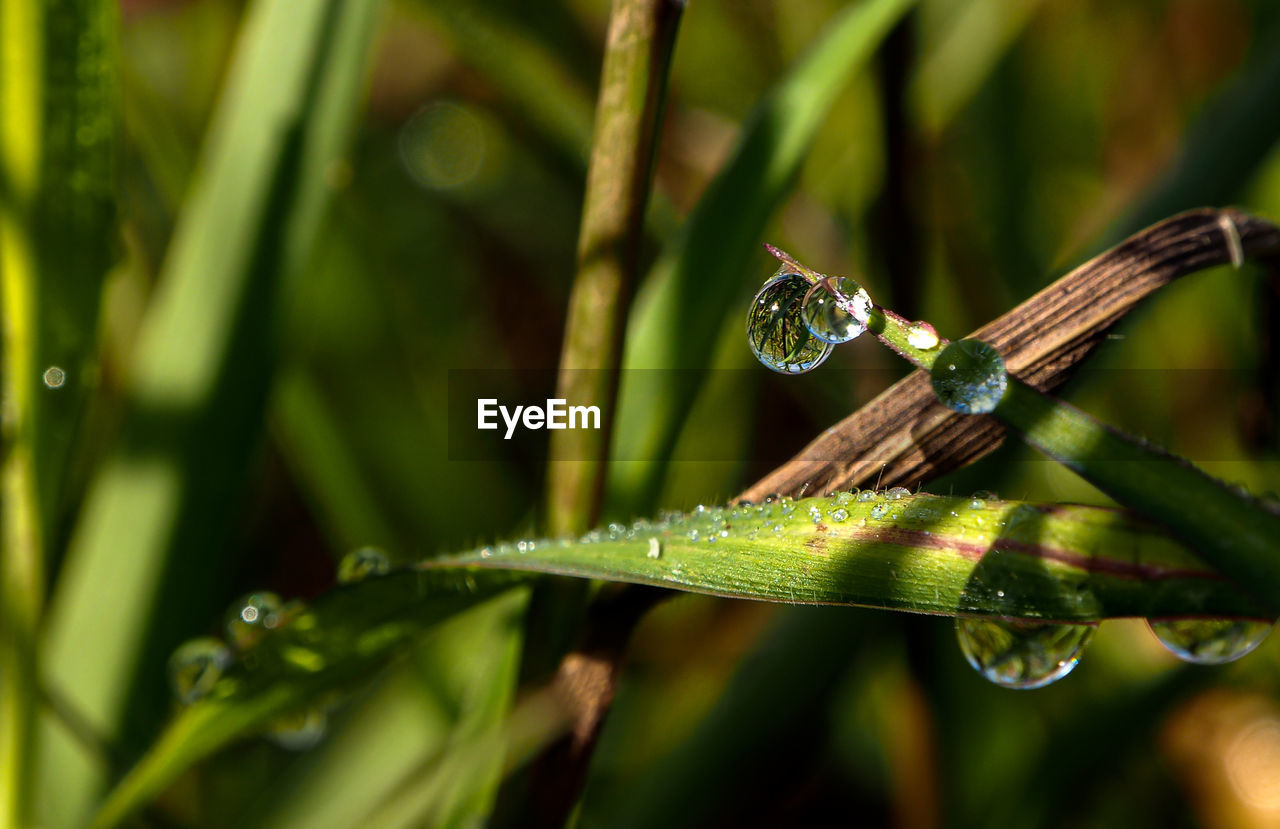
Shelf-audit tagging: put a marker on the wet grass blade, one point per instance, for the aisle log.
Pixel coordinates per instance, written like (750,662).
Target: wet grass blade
(904,436)
(679,313)
(923,553)
(339,641)
(156,516)
(58,93)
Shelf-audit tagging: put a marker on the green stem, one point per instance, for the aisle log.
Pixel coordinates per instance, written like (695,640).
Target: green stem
(632,90)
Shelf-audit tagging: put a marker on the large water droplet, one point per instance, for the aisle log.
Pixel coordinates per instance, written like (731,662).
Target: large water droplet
(196,666)
(362,563)
(775,331)
(1210,641)
(836,309)
(299,731)
(1017,654)
(251,616)
(969,377)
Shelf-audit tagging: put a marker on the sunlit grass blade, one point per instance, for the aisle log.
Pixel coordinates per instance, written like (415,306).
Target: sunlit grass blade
(684,301)
(341,640)
(156,515)
(923,553)
(58,95)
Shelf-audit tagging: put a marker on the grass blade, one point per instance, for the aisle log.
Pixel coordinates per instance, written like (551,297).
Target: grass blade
(58,91)
(928,554)
(904,435)
(156,515)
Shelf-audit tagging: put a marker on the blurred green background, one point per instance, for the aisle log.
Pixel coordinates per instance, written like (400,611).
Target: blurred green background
(987,147)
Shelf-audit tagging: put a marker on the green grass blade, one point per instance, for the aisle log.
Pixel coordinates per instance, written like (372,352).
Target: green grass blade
(336,643)
(923,553)
(156,516)
(678,315)
(1230,529)
(58,91)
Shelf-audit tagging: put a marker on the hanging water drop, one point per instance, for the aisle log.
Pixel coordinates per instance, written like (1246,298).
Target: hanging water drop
(362,563)
(775,331)
(251,616)
(196,666)
(1017,654)
(299,731)
(969,377)
(1210,641)
(836,309)
(922,335)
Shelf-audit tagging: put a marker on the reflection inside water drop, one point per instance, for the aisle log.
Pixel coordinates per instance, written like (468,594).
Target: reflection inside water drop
(836,310)
(775,331)
(969,377)
(1210,641)
(1019,654)
(196,666)
(362,563)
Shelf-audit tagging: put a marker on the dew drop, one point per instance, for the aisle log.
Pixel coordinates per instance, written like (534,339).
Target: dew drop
(922,335)
(359,564)
(775,331)
(969,377)
(196,666)
(835,310)
(839,515)
(693,535)
(879,511)
(300,731)
(1016,654)
(54,377)
(866,495)
(842,498)
(897,493)
(1210,641)
(655,548)
(251,616)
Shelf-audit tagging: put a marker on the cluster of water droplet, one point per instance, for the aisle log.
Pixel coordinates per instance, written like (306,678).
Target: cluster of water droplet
(1028,654)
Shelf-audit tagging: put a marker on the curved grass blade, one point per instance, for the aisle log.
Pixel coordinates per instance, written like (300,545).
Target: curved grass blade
(678,315)
(923,553)
(337,642)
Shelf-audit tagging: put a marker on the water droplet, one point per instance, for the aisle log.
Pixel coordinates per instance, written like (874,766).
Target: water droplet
(842,498)
(879,511)
(196,666)
(839,515)
(922,335)
(775,331)
(1018,654)
(693,535)
(54,377)
(1210,641)
(251,616)
(897,493)
(835,310)
(985,495)
(969,377)
(866,495)
(655,548)
(815,514)
(300,731)
(359,564)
